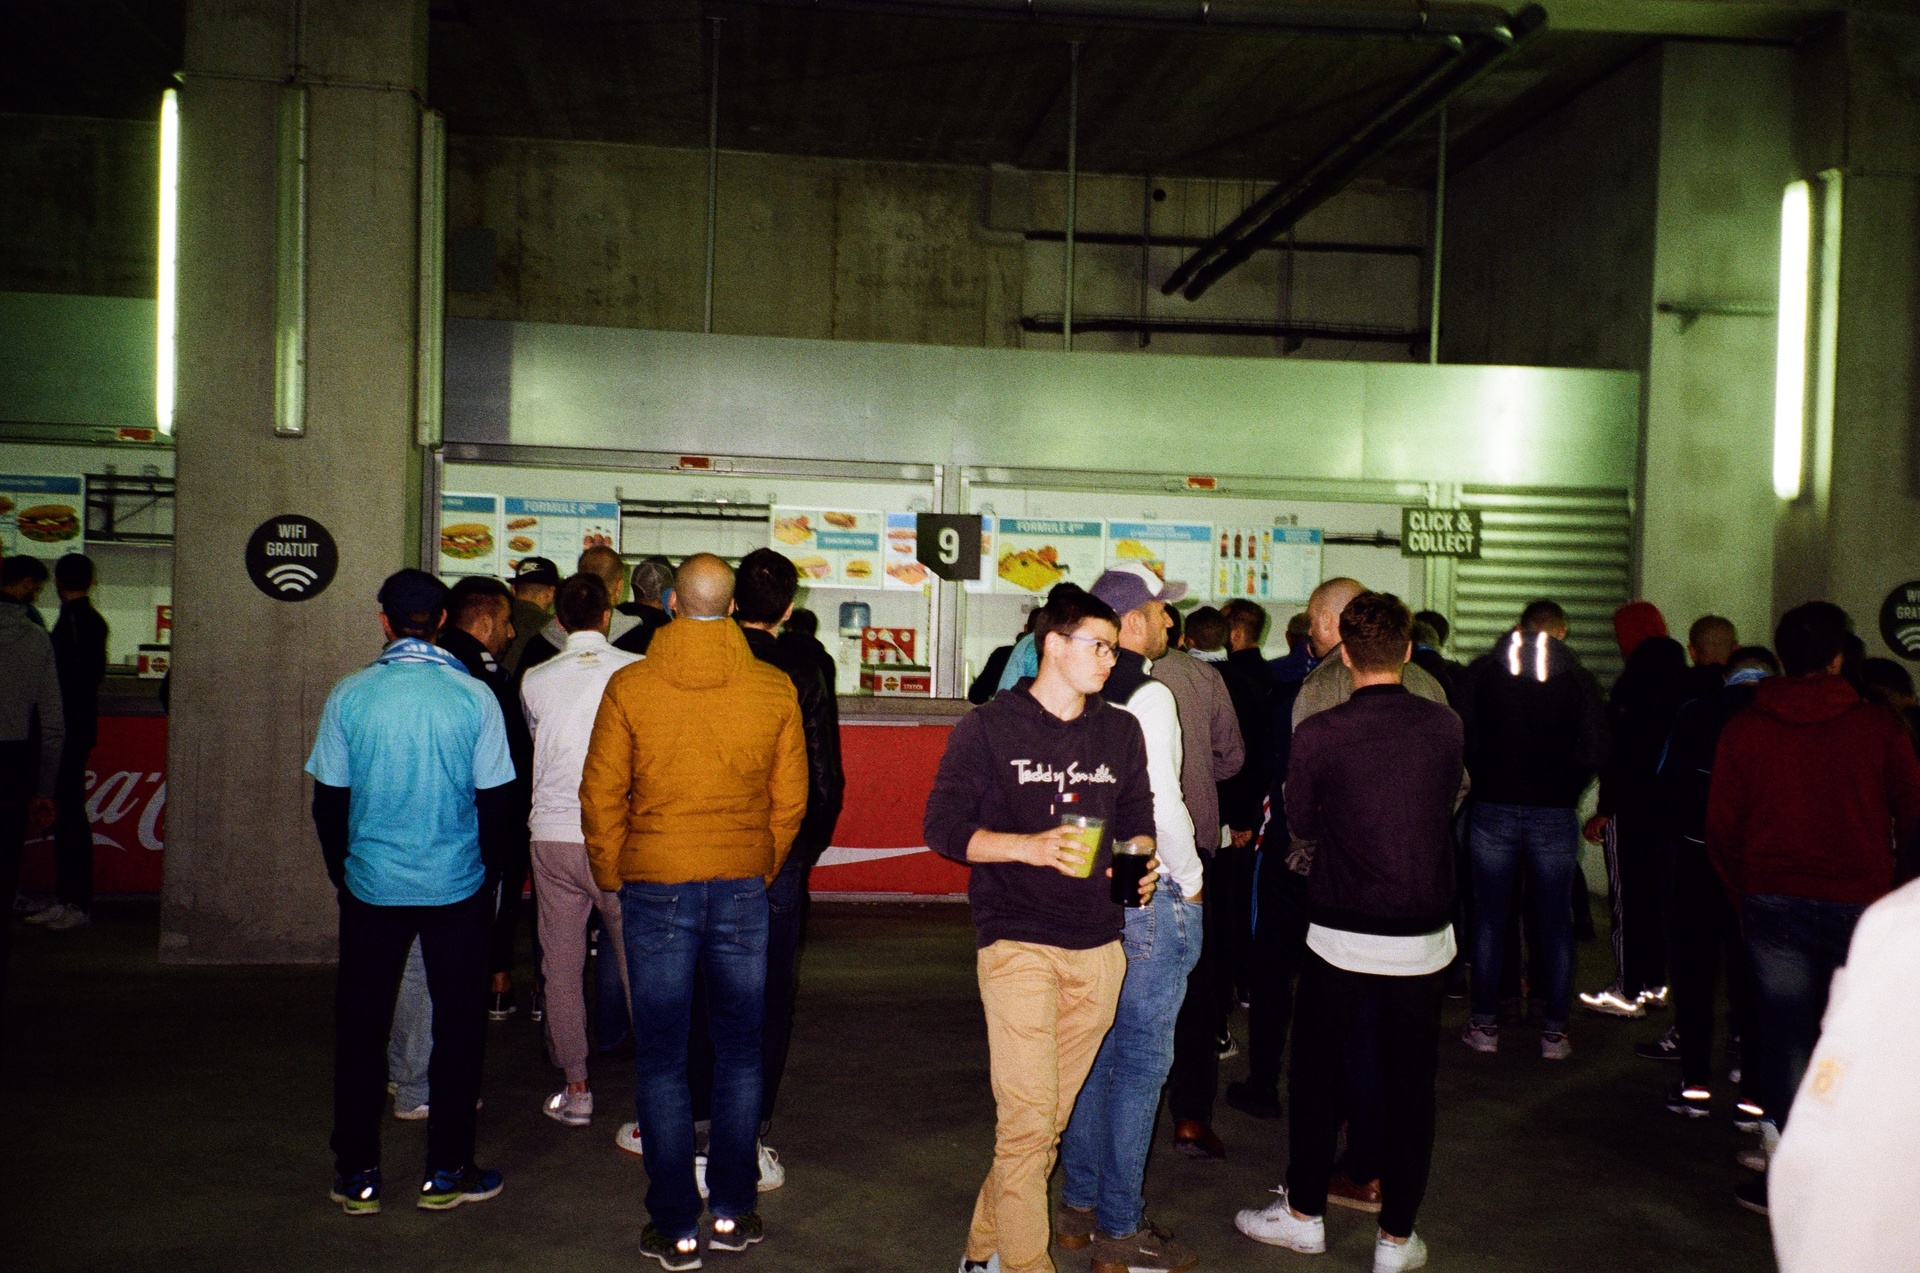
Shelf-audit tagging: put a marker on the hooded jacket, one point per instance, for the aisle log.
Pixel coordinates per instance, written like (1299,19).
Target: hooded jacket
(1640,713)
(1809,786)
(697,769)
(1013,766)
(30,685)
(1536,725)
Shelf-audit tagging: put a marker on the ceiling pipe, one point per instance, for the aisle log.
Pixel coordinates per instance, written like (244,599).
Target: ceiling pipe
(1234,16)
(1281,208)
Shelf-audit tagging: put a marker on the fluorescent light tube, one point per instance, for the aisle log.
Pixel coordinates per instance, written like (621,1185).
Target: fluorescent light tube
(169,264)
(1790,350)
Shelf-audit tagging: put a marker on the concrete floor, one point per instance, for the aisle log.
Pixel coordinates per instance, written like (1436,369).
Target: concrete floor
(172,1118)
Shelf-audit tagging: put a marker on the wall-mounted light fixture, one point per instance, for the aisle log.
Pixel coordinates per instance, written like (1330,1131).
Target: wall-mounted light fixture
(1790,342)
(431,302)
(163,362)
(290,269)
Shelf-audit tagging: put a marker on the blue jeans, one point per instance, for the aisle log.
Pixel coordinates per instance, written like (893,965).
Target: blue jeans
(1103,1154)
(410,1043)
(720,928)
(1504,838)
(1793,946)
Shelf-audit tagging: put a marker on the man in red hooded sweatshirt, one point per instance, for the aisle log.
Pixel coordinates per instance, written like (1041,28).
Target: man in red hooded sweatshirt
(1810,785)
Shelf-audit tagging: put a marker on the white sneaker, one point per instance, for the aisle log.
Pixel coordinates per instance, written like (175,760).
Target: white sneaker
(73,918)
(1391,1257)
(1614,1002)
(1276,1225)
(627,1140)
(772,1174)
(575,1109)
(411,1115)
(990,1265)
(1555,1045)
(47,914)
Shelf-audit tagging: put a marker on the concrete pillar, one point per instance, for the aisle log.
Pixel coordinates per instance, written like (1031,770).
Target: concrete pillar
(1861,113)
(244,880)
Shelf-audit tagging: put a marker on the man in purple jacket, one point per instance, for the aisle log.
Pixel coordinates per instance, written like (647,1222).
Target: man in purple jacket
(1048,931)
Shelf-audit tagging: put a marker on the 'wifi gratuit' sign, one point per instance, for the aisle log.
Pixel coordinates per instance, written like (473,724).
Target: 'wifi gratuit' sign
(1900,621)
(291,558)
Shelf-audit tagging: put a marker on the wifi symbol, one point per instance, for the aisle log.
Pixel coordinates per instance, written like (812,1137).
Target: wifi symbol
(293,578)
(1909,638)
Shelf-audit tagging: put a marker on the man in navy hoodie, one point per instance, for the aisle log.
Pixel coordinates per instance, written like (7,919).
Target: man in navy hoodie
(1373,784)
(1048,932)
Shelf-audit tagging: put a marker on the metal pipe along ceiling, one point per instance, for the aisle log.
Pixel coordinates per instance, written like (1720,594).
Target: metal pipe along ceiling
(1281,208)
(1241,16)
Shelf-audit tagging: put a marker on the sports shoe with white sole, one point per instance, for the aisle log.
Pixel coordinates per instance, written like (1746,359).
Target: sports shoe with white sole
(575,1109)
(1276,1225)
(445,1190)
(989,1265)
(1481,1038)
(772,1174)
(1614,1002)
(627,1140)
(1664,1048)
(1555,1045)
(418,1113)
(674,1254)
(736,1233)
(1689,1102)
(1391,1257)
(72,919)
(358,1194)
(48,914)
(1655,997)
(1747,1116)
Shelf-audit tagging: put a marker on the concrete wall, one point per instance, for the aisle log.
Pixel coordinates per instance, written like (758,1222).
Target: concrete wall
(1707,506)
(1550,238)
(613,235)
(77,205)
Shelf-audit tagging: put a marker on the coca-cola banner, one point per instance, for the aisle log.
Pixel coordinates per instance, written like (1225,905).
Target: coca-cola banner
(126,803)
(878,846)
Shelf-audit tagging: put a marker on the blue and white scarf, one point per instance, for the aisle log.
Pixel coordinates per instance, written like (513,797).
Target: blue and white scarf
(414,650)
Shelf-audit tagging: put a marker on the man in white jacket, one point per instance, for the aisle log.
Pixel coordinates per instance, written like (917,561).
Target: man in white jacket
(561,697)
(1103,1155)
(1843,1181)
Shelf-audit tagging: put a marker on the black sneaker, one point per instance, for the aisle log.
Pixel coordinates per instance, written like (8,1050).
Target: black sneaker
(674,1254)
(358,1194)
(736,1233)
(1747,1116)
(1689,1102)
(1255,1102)
(1228,1047)
(1751,1193)
(537,1012)
(445,1190)
(1664,1048)
(500,1005)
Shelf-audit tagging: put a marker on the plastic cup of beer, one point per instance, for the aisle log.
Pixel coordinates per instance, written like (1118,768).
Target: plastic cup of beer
(1088,831)
(1129,868)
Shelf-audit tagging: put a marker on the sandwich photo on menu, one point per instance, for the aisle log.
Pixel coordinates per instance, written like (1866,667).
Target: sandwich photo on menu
(465,541)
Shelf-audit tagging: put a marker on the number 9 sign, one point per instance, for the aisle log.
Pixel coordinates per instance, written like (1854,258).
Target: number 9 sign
(948,544)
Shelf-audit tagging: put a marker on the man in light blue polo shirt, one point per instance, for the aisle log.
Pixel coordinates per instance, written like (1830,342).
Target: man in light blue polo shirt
(411,774)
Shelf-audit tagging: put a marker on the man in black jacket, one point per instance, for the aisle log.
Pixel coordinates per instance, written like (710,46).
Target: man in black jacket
(479,629)
(1373,784)
(763,592)
(80,652)
(1701,920)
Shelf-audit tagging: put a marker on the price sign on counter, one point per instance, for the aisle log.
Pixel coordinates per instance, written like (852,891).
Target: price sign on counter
(948,544)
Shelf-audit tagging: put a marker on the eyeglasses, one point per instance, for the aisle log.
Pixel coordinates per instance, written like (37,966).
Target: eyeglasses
(1101,649)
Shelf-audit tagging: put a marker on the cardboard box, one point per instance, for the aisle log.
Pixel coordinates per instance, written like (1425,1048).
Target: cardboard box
(895,681)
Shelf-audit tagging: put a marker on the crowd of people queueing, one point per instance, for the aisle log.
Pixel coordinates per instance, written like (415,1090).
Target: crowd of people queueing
(1358,830)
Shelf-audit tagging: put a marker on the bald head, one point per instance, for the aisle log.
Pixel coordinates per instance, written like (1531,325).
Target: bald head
(1712,640)
(703,587)
(604,564)
(1324,608)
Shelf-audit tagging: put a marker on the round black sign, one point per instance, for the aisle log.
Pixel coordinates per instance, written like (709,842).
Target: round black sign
(1900,621)
(291,558)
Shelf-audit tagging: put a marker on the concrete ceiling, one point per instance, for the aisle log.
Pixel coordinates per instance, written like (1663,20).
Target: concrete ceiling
(876,84)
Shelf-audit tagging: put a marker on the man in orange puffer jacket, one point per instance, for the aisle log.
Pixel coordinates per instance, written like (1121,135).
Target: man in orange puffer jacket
(694,787)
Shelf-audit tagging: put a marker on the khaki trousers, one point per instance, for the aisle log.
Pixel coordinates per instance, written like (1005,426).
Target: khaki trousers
(1047,1011)
(564,890)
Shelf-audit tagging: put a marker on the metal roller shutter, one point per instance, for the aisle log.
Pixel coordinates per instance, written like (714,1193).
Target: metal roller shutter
(1574,546)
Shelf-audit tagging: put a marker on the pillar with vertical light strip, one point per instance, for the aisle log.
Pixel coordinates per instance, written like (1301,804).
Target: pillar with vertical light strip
(163,363)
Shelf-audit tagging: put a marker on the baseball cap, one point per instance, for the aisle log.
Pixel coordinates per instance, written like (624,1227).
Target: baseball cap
(1132,584)
(412,597)
(537,570)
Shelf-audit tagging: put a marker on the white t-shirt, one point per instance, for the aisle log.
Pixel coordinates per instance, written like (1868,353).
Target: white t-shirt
(1381,956)
(1152,705)
(561,697)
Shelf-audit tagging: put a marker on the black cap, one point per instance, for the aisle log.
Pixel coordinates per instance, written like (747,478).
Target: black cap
(412,598)
(537,570)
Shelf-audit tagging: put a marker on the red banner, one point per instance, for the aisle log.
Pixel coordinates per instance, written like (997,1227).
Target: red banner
(126,804)
(878,846)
